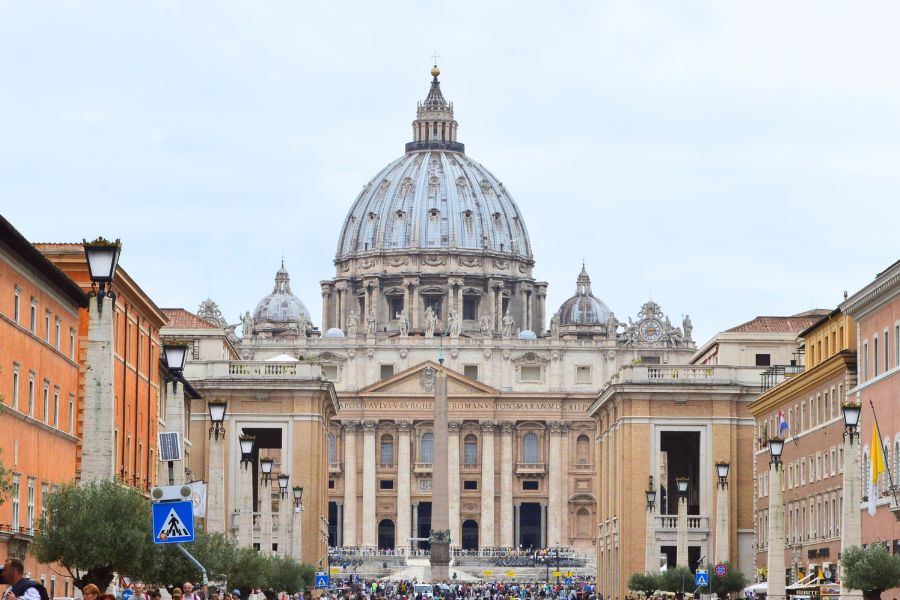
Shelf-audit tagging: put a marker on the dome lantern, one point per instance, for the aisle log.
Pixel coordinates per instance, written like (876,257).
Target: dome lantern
(434,127)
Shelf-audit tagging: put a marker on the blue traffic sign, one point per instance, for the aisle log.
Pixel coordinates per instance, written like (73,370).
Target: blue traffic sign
(127,594)
(701,578)
(173,522)
(321,580)
(567,581)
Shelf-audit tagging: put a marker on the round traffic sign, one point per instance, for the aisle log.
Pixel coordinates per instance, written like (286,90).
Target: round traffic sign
(721,570)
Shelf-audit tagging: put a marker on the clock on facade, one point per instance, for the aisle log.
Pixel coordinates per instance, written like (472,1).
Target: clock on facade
(651,330)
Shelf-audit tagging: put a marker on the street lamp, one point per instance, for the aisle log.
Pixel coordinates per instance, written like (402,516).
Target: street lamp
(722,469)
(246,442)
(217,410)
(283,484)
(265,465)
(298,496)
(851,420)
(651,495)
(682,484)
(776,447)
(102,258)
(175,354)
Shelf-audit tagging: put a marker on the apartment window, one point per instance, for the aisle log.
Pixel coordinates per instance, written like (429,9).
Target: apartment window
(897,345)
(582,374)
(16,304)
(470,450)
(46,414)
(763,360)
(72,344)
(387,371)
(33,321)
(470,484)
(58,335)
(833,461)
(865,360)
(15,386)
(31,376)
(386,484)
(29,522)
(887,351)
(529,486)
(15,502)
(44,491)
(72,413)
(803,416)
(56,406)
(426,451)
(875,356)
(471,371)
(47,326)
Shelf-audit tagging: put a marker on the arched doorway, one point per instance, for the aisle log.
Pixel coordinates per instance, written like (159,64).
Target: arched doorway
(470,535)
(385,534)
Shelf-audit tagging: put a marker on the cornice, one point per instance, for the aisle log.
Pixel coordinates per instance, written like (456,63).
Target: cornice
(885,286)
(799,384)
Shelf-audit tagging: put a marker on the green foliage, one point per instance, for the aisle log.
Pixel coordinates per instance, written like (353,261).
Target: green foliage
(645,583)
(6,485)
(734,581)
(165,566)
(871,569)
(676,579)
(94,531)
(249,571)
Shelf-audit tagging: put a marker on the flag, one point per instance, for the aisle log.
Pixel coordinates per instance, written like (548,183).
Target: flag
(198,497)
(782,423)
(877,458)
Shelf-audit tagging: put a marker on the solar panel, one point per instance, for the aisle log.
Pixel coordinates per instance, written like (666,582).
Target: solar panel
(169,445)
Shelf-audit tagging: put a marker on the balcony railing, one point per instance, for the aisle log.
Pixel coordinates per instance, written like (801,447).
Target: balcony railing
(670,522)
(422,467)
(335,468)
(530,468)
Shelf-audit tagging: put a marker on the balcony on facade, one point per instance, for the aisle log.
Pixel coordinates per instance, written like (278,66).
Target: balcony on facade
(778,374)
(422,468)
(530,469)
(666,527)
(687,375)
(335,468)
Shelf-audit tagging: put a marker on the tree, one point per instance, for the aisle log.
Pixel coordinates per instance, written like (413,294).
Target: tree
(676,579)
(6,485)
(167,567)
(287,575)
(94,531)
(871,570)
(733,581)
(644,583)
(248,571)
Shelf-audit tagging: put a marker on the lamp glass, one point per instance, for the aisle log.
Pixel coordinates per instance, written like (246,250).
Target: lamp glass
(217,411)
(722,469)
(283,480)
(102,258)
(175,355)
(776,446)
(651,497)
(851,414)
(298,492)
(682,483)
(247,442)
(265,465)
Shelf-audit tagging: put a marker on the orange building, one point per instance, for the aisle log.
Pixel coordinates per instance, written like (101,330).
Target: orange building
(136,324)
(39,379)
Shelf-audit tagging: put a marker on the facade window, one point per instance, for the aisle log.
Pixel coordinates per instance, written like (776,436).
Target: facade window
(875,356)
(470,308)
(530,454)
(470,450)
(386,484)
(387,449)
(47,326)
(58,335)
(32,324)
(396,306)
(865,372)
(763,360)
(332,449)
(583,450)
(471,371)
(72,344)
(29,522)
(46,414)
(16,492)
(44,490)
(530,486)
(530,373)
(897,345)
(426,450)
(887,352)
(15,386)
(470,484)
(582,374)
(72,413)
(387,371)
(56,406)
(17,304)
(31,376)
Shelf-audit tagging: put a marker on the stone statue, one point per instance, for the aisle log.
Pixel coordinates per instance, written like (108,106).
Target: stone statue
(554,326)
(630,335)
(688,327)
(507,324)
(371,322)
(352,323)
(430,322)
(302,325)
(612,325)
(454,324)
(247,323)
(403,319)
(485,324)
(676,338)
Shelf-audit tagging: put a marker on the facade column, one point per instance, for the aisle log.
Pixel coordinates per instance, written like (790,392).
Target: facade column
(369,524)
(516,517)
(554,483)
(723,545)
(326,306)
(651,564)
(486,531)
(681,536)
(775,554)
(339,534)
(286,525)
(401,541)
(415,523)
(851,517)
(245,497)
(350,510)
(98,437)
(215,494)
(453,428)
(543,524)
(507,525)
(265,518)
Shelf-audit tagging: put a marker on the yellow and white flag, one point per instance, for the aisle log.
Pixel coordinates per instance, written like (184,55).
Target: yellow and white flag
(877,468)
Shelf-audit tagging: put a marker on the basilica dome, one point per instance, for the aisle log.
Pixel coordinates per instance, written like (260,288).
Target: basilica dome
(281,306)
(434,198)
(584,308)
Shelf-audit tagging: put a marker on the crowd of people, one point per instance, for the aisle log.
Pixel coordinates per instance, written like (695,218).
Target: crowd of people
(409,590)
(535,553)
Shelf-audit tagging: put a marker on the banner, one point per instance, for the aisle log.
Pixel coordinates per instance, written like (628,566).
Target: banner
(198,497)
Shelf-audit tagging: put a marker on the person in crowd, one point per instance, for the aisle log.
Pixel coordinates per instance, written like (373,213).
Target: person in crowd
(19,585)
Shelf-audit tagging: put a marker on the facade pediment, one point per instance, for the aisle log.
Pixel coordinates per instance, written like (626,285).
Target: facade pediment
(530,358)
(327,358)
(415,382)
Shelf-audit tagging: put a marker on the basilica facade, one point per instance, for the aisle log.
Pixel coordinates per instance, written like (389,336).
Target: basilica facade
(434,263)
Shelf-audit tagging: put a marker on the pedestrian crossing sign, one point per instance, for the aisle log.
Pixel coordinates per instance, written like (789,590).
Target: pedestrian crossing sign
(322,580)
(173,522)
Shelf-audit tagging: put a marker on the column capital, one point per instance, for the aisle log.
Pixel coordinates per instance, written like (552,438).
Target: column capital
(558,427)
(371,283)
(404,426)
(351,426)
(455,281)
(341,286)
(454,426)
(487,427)
(507,427)
(327,288)
(410,281)
(370,426)
(526,287)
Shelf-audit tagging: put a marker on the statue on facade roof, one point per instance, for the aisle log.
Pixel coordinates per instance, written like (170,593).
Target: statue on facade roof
(371,322)
(554,325)
(430,322)
(403,319)
(688,327)
(454,325)
(485,324)
(507,325)
(302,324)
(247,324)
(352,323)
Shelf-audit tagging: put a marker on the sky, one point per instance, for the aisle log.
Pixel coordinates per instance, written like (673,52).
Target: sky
(726,159)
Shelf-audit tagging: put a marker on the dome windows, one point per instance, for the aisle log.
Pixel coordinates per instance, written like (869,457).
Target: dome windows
(434,213)
(400,214)
(372,216)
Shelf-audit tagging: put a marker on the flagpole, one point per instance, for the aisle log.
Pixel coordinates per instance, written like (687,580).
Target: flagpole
(886,467)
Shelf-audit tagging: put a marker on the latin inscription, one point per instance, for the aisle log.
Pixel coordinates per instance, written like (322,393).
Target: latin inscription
(465,406)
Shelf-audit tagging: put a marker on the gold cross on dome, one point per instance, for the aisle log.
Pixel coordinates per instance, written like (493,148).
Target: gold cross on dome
(435,56)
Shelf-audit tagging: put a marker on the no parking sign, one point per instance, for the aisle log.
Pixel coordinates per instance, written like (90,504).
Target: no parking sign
(721,570)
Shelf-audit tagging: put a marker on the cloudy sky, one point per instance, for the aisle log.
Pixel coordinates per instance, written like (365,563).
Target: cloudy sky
(729,159)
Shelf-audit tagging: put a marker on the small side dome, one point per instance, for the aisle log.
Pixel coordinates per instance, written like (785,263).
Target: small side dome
(281,307)
(584,308)
(334,332)
(527,334)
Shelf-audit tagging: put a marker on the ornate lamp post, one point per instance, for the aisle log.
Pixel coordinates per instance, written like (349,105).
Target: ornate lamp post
(215,518)
(775,554)
(298,496)
(102,259)
(851,525)
(651,551)
(296,524)
(723,541)
(246,442)
(265,466)
(217,410)
(681,483)
(245,490)
(283,480)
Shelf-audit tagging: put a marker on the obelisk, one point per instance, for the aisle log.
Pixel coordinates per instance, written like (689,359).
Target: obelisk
(440,499)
